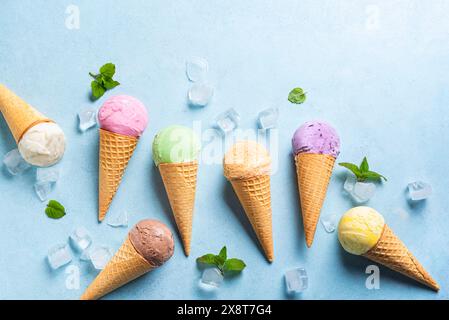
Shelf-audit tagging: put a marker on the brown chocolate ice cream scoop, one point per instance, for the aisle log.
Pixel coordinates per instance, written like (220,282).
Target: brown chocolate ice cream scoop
(153,240)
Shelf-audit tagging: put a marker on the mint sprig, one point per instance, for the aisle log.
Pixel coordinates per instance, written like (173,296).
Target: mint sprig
(55,210)
(103,81)
(297,95)
(363,172)
(222,262)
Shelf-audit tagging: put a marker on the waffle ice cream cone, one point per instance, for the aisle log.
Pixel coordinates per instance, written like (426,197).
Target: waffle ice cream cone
(19,115)
(392,253)
(115,152)
(255,196)
(126,265)
(313,172)
(180,184)
(247,165)
(363,231)
(148,245)
(122,119)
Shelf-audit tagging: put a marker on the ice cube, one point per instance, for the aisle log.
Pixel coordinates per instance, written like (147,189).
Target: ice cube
(200,94)
(363,191)
(349,183)
(43,189)
(85,255)
(268,118)
(296,280)
(228,120)
(212,277)
(80,239)
(59,256)
(196,69)
(329,223)
(419,190)
(50,174)
(100,256)
(87,118)
(14,162)
(119,220)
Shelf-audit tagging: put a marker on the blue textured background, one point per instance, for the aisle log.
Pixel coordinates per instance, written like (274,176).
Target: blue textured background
(383,86)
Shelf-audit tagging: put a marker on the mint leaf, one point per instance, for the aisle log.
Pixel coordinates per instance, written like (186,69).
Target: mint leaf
(223,253)
(233,264)
(103,81)
(373,175)
(351,167)
(207,259)
(364,167)
(109,83)
(108,70)
(297,95)
(219,261)
(97,89)
(55,210)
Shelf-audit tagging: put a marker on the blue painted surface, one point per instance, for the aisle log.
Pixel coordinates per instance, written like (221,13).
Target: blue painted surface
(377,70)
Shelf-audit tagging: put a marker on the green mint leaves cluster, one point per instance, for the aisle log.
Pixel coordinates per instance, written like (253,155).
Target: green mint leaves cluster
(55,210)
(363,172)
(222,262)
(297,95)
(103,81)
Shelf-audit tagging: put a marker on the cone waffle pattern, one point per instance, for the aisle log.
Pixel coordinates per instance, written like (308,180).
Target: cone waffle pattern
(392,253)
(19,115)
(126,265)
(255,197)
(115,152)
(180,184)
(313,172)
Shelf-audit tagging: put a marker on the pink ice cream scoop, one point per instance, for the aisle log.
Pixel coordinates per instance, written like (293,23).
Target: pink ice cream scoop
(316,137)
(123,115)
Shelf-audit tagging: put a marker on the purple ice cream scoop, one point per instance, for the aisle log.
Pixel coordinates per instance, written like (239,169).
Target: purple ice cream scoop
(316,137)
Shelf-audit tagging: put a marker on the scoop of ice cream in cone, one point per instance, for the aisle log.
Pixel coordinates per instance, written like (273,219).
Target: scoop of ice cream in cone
(123,120)
(123,115)
(41,142)
(363,231)
(175,153)
(316,137)
(148,245)
(315,146)
(246,159)
(247,166)
(175,144)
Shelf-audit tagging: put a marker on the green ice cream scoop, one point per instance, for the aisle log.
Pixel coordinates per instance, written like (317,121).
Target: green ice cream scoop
(175,144)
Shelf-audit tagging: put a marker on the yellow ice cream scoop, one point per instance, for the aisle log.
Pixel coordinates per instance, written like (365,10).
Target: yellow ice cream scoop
(363,231)
(360,229)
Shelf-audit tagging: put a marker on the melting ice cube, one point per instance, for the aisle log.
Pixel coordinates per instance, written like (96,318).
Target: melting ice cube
(80,239)
(419,190)
(200,94)
(50,174)
(360,192)
(43,189)
(87,118)
(59,256)
(268,118)
(14,162)
(119,220)
(100,256)
(196,69)
(212,277)
(296,280)
(329,223)
(228,121)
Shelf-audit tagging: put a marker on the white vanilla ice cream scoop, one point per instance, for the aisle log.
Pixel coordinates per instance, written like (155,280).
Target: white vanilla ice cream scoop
(43,144)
